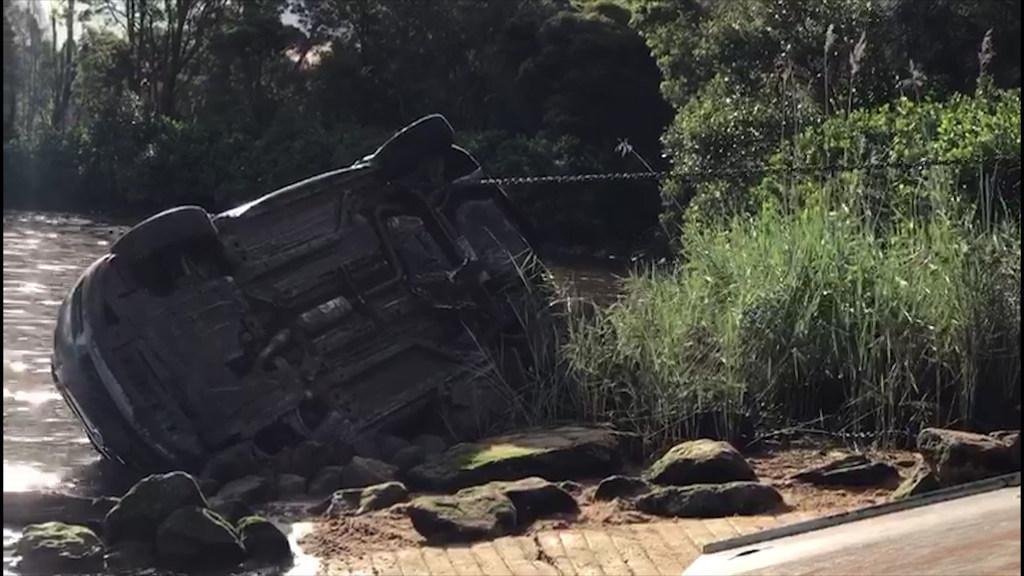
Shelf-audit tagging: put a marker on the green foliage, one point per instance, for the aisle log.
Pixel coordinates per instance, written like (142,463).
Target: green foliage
(960,129)
(750,75)
(979,137)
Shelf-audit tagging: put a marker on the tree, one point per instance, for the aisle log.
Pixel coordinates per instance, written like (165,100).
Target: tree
(164,40)
(747,76)
(11,77)
(64,59)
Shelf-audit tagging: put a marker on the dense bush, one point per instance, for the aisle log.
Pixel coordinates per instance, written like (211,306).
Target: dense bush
(750,75)
(977,137)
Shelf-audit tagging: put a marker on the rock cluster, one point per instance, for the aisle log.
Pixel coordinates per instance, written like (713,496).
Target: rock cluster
(487,488)
(488,511)
(695,479)
(484,489)
(163,521)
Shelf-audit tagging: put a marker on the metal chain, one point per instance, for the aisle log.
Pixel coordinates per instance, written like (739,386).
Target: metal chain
(572,178)
(705,174)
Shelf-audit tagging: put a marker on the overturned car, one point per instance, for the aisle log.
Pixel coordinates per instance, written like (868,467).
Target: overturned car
(397,289)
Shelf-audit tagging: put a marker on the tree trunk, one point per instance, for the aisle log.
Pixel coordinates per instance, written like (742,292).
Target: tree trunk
(65,67)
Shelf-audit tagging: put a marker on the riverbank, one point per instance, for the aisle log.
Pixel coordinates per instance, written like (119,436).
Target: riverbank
(364,540)
(651,515)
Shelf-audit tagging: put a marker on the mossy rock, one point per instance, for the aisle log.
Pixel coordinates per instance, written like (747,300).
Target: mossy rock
(251,489)
(59,548)
(958,457)
(710,500)
(533,498)
(563,453)
(356,501)
(263,540)
(464,517)
(194,538)
(617,486)
(360,472)
(234,462)
(700,462)
(149,503)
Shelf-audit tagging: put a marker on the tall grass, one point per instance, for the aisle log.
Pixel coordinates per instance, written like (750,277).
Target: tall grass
(818,309)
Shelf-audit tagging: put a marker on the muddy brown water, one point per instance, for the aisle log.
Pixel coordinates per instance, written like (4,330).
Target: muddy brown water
(43,256)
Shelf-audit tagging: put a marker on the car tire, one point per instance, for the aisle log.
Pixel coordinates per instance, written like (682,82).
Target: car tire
(406,150)
(175,227)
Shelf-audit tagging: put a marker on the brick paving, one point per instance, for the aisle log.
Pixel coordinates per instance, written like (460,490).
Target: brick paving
(657,548)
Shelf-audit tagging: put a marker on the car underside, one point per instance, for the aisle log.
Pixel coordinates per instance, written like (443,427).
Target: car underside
(338,306)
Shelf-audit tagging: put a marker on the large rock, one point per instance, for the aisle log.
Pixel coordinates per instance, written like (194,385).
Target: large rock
(431,444)
(710,500)
(197,538)
(36,507)
(264,541)
(921,481)
(148,503)
(250,489)
(342,451)
(309,456)
(281,462)
(959,457)
(482,514)
(230,509)
(326,481)
(59,548)
(390,445)
(362,471)
(366,446)
(489,510)
(853,470)
(700,462)
(207,486)
(290,486)
(409,457)
(614,487)
(355,501)
(1010,438)
(234,462)
(533,498)
(554,454)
